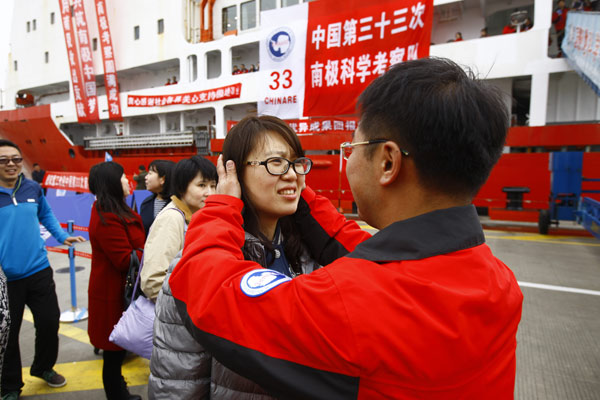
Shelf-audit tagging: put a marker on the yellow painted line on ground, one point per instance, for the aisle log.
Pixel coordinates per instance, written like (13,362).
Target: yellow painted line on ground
(64,329)
(86,375)
(544,239)
(364,225)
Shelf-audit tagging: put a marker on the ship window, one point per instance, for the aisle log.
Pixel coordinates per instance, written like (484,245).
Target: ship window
(51,18)
(95,44)
(136,32)
(229,19)
(192,68)
(248,12)
(46,57)
(33,25)
(15,64)
(161,26)
(213,64)
(28,26)
(268,5)
(287,3)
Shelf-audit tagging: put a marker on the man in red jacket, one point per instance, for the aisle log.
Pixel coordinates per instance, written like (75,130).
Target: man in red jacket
(422,309)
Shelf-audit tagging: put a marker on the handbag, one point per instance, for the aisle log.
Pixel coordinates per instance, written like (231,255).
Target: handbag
(132,273)
(133,332)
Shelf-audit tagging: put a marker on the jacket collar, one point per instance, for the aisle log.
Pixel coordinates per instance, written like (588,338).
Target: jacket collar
(183,207)
(438,232)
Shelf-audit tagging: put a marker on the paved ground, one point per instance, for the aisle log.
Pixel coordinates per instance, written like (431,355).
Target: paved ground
(558,354)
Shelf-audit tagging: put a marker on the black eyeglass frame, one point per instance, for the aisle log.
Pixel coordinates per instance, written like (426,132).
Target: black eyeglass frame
(293,163)
(15,160)
(350,145)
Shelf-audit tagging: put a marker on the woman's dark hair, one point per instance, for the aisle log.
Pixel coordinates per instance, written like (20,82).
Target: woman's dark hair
(105,182)
(164,169)
(241,140)
(187,169)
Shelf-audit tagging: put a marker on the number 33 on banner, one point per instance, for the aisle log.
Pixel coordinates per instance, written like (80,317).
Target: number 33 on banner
(283,79)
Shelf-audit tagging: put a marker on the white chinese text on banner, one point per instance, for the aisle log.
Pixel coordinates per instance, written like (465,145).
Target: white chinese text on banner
(348,47)
(111,82)
(74,64)
(87,63)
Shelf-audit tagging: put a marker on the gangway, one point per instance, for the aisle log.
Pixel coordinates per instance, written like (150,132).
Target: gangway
(566,200)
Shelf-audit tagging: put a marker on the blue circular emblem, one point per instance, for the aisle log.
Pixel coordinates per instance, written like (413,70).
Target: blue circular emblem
(280,43)
(260,281)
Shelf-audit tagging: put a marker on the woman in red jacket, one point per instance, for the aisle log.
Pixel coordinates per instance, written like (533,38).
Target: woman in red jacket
(115,231)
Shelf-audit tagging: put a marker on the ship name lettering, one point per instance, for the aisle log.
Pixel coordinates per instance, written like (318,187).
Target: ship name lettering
(282,100)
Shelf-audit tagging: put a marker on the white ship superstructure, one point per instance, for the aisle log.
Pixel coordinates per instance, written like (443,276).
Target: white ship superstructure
(199,43)
(154,41)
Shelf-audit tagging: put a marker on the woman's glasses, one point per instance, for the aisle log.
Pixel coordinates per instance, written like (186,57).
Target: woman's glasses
(280,165)
(15,160)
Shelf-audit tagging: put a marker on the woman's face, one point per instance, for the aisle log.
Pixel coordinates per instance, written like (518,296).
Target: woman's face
(154,183)
(125,185)
(272,196)
(197,192)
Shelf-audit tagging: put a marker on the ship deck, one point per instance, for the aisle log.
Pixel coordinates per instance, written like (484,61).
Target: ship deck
(558,353)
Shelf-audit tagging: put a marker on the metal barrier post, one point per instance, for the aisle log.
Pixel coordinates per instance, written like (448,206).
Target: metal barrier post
(74,314)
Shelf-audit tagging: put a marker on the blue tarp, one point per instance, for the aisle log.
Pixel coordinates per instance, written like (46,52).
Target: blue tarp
(68,205)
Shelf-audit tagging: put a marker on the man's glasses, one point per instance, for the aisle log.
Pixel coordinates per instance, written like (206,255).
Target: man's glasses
(347,147)
(280,165)
(15,160)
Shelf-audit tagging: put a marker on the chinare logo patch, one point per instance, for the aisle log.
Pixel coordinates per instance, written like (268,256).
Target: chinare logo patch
(260,281)
(280,43)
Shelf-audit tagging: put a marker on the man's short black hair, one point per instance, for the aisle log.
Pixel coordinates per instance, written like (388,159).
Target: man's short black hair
(453,125)
(4,143)
(142,167)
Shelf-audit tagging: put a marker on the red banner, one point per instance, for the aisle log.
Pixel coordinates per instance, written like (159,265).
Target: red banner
(316,125)
(76,181)
(204,96)
(87,63)
(347,47)
(74,64)
(111,83)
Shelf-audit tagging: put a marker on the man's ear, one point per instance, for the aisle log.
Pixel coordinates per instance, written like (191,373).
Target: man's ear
(390,159)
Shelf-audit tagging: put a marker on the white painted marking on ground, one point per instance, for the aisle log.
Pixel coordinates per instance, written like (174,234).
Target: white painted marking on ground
(559,288)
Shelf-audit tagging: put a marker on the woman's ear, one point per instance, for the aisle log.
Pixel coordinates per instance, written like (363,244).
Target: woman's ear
(390,161)
(161,179)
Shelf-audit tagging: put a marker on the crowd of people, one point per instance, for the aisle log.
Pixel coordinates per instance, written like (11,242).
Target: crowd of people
(243,70)
(262,289)
(559,20)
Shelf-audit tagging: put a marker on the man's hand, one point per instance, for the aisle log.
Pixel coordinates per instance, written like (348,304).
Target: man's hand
(228,181)
(72,239)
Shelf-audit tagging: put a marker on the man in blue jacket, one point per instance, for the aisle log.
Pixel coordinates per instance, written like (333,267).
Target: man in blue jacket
(25,262)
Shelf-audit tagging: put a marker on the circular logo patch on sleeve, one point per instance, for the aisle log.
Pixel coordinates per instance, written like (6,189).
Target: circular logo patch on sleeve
(260,281)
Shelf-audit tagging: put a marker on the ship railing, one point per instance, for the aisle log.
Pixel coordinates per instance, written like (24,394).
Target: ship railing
(182,139)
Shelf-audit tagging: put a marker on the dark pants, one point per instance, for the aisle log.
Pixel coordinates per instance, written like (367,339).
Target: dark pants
(114,384)
(38,292)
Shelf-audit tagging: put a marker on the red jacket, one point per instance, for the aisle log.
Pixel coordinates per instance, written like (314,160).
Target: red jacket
(559,18)
(112,244)
(420,310)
